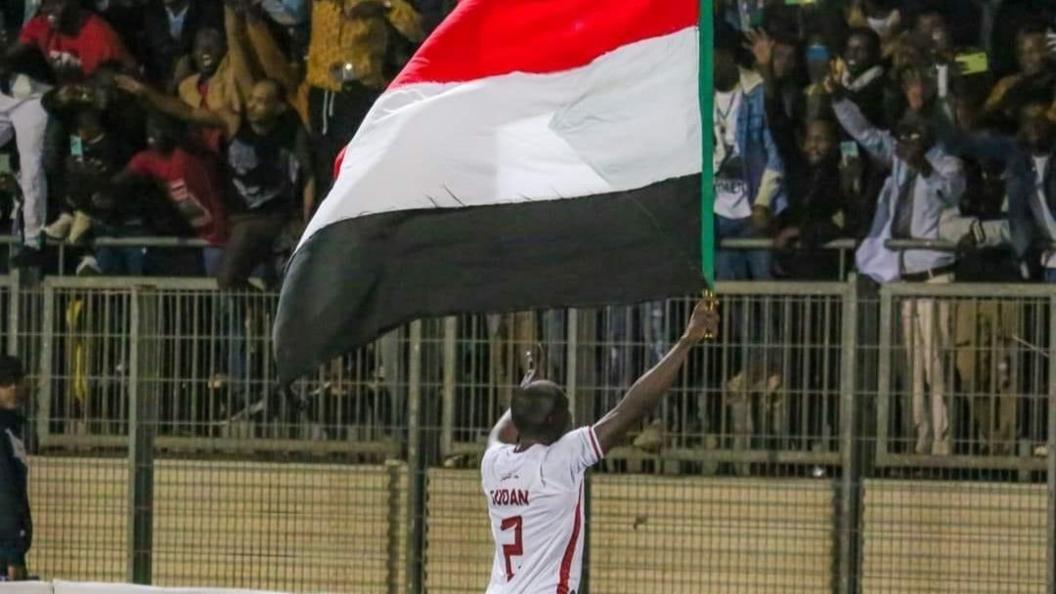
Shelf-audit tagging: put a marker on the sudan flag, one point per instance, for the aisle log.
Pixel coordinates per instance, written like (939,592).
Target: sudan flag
(533,153)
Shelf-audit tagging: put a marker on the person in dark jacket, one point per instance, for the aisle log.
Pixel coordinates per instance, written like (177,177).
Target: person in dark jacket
(16,525)
(1030,182)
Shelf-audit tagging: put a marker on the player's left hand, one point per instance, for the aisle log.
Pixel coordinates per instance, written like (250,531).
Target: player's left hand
(704,322)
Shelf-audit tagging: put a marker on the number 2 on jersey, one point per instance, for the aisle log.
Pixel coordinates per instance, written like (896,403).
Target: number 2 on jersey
(512,550)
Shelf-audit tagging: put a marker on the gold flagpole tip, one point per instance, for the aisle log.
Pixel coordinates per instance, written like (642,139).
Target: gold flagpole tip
(711,303)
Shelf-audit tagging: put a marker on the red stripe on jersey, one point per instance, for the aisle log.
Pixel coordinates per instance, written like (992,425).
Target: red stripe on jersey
(570,550)
(483,38)
(594,443)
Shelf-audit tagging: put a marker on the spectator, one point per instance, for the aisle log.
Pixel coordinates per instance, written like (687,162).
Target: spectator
(862,74)
(125,17)
(74,41)
(346,67)
(97,149)
(748,168)
(1035,77)
(169,31)
(929,25)
(221,77)
(986,355)
(817,209)
(883,17)
(16,523)
(24,119)
(287,71)
(1030,182)
(924,182)
(817,103)
(76,45)
(189,181)
(95,154)
(823,204)
(267,157)
(1009,18)
(782,75)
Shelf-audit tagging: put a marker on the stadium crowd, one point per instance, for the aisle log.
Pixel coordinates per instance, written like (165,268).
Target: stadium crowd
(886,119)
(215,119)
(221,119)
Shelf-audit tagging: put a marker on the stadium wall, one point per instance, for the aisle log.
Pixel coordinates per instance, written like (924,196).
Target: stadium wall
(328,528)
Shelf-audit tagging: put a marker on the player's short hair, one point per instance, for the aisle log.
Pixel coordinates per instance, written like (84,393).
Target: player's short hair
(532,405)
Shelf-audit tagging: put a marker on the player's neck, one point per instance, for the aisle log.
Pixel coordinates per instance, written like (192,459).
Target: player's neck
(525,444)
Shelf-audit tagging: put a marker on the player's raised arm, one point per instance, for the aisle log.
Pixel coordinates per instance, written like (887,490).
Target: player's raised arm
(504,431)
(643,396)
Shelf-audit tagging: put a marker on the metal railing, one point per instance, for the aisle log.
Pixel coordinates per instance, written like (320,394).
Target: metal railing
(975,358)
(210,370)
(843,247)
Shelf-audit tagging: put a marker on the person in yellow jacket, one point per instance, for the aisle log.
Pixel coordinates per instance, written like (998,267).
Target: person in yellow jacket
(222,77)
(346,66)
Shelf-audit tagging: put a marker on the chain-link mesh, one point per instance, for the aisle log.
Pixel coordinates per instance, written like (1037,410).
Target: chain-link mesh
(804,451)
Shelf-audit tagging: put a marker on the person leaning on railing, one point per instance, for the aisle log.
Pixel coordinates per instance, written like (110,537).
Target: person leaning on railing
(985,331)
(824,187)
(748,168)
(188,179)
(1029,161)
(16,524)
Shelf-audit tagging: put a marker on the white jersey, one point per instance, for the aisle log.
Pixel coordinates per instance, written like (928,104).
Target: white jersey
(535,501)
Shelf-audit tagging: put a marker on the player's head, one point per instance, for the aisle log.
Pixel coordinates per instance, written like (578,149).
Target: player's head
(540,411)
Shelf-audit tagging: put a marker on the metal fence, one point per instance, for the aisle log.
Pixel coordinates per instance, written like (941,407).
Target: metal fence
(805,451)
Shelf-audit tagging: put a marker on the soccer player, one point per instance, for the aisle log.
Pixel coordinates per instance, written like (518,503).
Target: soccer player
(532,472)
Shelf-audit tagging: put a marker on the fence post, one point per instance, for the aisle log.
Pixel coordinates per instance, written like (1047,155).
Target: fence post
(1051,461)
(42,395)
(571,390)
(849,516)
(884,371)
(13,303)
(571,359)
(392,566)
(416,478)
(447,414)
(142,427)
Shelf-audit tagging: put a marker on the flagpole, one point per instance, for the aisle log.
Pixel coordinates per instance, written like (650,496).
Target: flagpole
(705,93)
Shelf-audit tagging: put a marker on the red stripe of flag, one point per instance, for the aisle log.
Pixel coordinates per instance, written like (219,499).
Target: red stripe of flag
(484,38)
(570,551)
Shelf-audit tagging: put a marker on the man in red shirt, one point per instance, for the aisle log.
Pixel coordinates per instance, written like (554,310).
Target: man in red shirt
(189,180)
(74,41)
